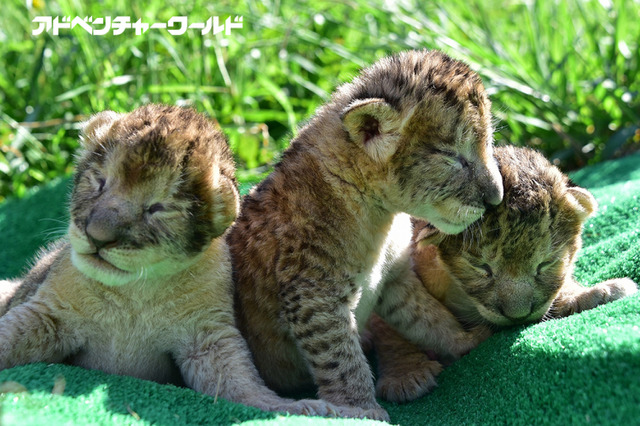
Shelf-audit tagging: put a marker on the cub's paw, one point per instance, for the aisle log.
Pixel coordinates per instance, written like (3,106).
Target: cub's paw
(464,342)
(619,288)
(479,334)
(310,407)
(409,381)
(377,413)
(7,290)
(604,292)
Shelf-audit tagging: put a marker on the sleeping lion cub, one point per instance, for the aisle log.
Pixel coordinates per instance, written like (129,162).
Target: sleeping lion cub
(141,285)
(513,266)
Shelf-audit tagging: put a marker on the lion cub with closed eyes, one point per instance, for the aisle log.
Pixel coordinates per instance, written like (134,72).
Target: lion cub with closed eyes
(314,243)
(514,266)
(141,285)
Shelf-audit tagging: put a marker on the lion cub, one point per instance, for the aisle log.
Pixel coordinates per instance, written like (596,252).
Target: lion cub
(513,266)
(142,285)
(410,135)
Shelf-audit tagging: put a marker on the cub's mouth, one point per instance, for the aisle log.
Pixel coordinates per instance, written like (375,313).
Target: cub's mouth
(101,262)
(501,320)
(452,226)
(95,266)
(453,220)
(448,226)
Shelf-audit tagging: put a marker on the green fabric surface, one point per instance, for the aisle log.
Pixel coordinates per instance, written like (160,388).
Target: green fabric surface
(578,370)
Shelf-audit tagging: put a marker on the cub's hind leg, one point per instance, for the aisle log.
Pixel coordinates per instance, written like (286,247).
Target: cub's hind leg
(409,308)
(405,372)
(574,298)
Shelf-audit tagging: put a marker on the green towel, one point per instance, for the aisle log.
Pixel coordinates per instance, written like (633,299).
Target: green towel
(579,370)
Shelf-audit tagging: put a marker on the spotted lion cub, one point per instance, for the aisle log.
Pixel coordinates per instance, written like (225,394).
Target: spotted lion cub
(411,134)
(513,266)
(141,285)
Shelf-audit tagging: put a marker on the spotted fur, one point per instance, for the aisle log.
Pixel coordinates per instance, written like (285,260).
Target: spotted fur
(411,134)
(513,266)
(141,285)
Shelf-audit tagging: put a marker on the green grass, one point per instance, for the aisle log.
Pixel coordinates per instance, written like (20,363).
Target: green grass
(563,75)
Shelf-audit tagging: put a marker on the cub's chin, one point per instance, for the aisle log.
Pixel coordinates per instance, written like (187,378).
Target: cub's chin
(94,267)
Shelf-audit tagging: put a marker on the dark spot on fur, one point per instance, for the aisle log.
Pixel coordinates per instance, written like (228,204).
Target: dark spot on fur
(306,317)
(391,310)
(331,365)
(324,382)
(344,379)
(310,348)
(311,332)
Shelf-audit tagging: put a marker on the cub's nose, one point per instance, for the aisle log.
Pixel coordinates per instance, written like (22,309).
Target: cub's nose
(490,184)
(516,313)
(102,228)
(100,236)
(492,196)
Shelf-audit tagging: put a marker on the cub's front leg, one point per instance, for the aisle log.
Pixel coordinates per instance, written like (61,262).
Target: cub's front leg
(573,297)
(409,308)
(30,332)
(320,314)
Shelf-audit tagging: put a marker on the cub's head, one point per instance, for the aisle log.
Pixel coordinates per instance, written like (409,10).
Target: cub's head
(509,265)
(152,188)
(426,120)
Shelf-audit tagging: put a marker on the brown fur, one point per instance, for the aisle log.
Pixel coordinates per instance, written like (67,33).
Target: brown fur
(513,266)
(411,134)
(142,284)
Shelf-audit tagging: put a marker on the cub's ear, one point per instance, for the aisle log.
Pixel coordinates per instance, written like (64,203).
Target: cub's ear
(425,234)
(581,201)
(375,125)
(96,126)
(225,205)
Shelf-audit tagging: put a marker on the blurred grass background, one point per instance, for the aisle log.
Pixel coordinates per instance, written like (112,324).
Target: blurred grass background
(563,75)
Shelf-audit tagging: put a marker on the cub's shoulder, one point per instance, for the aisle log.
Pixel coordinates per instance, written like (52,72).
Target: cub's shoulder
(17,291)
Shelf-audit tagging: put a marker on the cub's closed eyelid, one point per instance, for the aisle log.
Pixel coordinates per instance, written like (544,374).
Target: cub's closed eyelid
(487,269)
(101,183)
(96,179)
(484,266)
(454,156)
(156,208)
(444,152)
(463,161)
(545,265)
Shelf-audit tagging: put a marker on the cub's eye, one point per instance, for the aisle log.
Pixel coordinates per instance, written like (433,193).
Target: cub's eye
(99,182)
(446,153)
(455,159)
(463,161)
(543,266)
(155,208)
(487,270)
